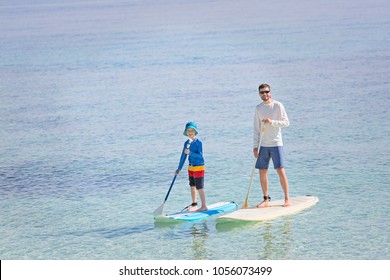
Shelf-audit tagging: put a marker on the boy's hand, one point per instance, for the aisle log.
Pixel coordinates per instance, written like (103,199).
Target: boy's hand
(187,151)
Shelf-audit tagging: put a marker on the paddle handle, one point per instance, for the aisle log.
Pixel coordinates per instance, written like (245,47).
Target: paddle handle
(189,143)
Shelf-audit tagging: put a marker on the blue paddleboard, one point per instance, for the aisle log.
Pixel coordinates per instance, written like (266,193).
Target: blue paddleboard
(213,209)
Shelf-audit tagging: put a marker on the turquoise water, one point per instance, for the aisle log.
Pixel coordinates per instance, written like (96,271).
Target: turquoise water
(94,98)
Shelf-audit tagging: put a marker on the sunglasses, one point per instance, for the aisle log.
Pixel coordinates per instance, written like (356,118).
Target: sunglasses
(265,91)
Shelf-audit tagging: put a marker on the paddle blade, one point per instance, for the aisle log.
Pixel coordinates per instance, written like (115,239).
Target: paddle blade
(159,210)
(245,205)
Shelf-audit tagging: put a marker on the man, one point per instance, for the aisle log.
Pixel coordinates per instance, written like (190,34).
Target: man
(271,115)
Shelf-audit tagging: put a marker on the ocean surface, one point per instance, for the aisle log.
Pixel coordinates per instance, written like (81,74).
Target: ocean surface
(94,96)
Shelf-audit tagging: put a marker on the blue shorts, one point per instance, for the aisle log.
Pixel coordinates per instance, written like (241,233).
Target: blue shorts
(266,153)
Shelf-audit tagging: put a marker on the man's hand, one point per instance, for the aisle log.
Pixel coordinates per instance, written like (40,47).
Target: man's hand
(267,120)
(255,152)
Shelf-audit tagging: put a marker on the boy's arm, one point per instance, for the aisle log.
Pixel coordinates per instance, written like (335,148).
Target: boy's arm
(183,158)
(199,153)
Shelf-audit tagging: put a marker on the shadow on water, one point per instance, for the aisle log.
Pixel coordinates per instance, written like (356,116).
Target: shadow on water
(182,228)
(236,225)
(170,224)
(277,241)
(194,228)
(274,238)
(131,230)
(198,231)
(114,232)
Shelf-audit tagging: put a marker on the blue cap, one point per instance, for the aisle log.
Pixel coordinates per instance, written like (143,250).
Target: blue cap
(190,125)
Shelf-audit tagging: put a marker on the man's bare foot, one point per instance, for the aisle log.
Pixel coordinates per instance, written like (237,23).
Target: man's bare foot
(264,204)
(202,209)
(286,203)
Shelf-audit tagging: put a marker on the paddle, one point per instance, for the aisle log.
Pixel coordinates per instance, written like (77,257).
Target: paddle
(159,210)
(245,205)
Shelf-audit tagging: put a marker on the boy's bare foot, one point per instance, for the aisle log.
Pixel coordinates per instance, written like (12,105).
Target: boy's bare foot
(202,209)
(192,209)
(286,203)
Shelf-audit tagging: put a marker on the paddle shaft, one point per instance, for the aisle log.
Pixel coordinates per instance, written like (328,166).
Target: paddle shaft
(254,166)
(159,210)
(174,178)
(173,181)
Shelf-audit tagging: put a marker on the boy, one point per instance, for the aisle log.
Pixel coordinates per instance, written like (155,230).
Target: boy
(193,148)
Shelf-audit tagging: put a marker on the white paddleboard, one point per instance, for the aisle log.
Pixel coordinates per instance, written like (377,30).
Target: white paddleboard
(275,210)
(213,209)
